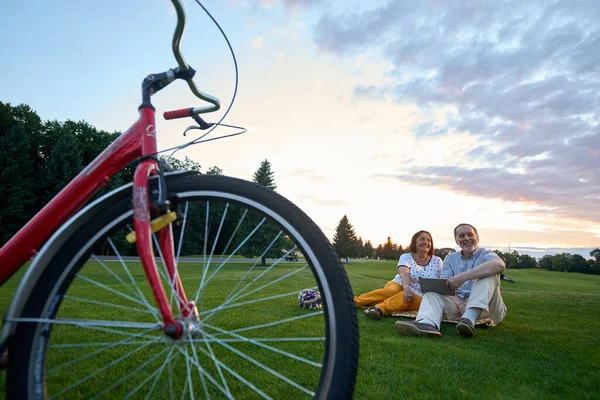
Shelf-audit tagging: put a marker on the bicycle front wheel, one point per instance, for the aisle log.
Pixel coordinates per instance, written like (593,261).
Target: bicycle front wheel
(91,329)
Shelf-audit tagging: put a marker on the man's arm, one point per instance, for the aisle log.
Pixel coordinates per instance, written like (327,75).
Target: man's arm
(492,267)
(447,267)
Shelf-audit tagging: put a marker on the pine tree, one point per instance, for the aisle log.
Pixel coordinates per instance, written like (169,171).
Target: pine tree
(344,239)
(368,250)
(398,250)
(267,232)
(359,248)
(389,249)
(214,170)
(379,251)
(264,176)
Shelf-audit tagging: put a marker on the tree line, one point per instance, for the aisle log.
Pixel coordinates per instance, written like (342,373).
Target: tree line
(564,262)
(38,158)
(348,245)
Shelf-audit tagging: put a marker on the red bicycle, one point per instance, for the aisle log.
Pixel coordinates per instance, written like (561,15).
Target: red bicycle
(182,315)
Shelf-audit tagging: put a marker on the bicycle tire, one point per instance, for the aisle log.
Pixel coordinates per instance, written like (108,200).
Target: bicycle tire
(28,347)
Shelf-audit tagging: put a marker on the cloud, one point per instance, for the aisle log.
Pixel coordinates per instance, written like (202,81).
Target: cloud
(552,197)
(522,77)
(575,238)
(306,174)
(539,252)
(257,42)
(370,92)
(297,5)
(323,202)
(290,5)
(267,3)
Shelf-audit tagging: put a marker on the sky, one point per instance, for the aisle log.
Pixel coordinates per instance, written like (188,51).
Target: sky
(402,115)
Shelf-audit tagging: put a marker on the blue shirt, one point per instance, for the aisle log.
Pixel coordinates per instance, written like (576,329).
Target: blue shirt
(455,263)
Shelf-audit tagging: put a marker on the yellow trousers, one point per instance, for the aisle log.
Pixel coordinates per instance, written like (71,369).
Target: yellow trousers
(389,299)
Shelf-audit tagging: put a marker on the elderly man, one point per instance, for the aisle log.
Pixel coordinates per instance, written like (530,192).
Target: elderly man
(474,275)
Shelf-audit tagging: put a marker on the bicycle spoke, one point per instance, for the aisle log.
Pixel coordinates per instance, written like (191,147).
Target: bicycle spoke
(203,283)
(79,382)
(135,371)
(231,295)
(99,351)
(212,251)
(290,274)
(206,395)
(170,379)
(264,346)
(188,382)
(227,304)
(200,369)
(286,339)
(238,376)
(211,313)
(89,322)
(261,274)
(176,275)
(152,310)
(214,360)
(95,344)
(187,203)
(110,271)
(248,272)
(205,266)
(283,321)
(235,231)
(157,373)
(263,366)
(120,332)
(102,303)
(140,293)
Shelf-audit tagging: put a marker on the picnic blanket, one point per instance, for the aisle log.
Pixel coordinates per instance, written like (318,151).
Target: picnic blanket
(413,315)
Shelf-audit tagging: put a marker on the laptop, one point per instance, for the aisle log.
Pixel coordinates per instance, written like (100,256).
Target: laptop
(437,285)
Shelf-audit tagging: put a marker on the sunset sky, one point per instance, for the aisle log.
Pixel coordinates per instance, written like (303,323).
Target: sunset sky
(402,115)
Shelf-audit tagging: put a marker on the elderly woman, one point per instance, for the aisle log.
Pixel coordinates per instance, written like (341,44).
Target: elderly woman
(403,293)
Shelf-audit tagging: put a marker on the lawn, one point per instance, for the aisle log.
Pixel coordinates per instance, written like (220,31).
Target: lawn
(547,347)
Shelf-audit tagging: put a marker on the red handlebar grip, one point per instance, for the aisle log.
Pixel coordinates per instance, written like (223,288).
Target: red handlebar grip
(184,112)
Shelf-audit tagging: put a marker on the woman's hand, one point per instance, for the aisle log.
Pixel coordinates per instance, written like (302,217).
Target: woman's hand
(409,295)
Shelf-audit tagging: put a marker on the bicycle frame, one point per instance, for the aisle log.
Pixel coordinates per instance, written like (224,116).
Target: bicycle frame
(137,141)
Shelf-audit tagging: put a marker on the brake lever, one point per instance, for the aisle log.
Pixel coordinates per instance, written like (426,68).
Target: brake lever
(189,128)
(203,124)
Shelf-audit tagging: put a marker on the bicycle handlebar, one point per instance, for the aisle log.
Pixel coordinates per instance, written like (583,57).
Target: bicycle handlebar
(183,67)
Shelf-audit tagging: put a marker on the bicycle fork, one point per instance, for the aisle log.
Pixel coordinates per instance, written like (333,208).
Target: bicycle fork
(143,236)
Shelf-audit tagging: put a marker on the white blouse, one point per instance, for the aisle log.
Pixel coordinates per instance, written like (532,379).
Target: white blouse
(415,271)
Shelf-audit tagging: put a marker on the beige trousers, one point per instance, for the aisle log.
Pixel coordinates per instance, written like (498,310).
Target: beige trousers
(485,294)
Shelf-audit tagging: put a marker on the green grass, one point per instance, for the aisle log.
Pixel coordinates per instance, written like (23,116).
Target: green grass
(244,315)
(547,347)
(214,256)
